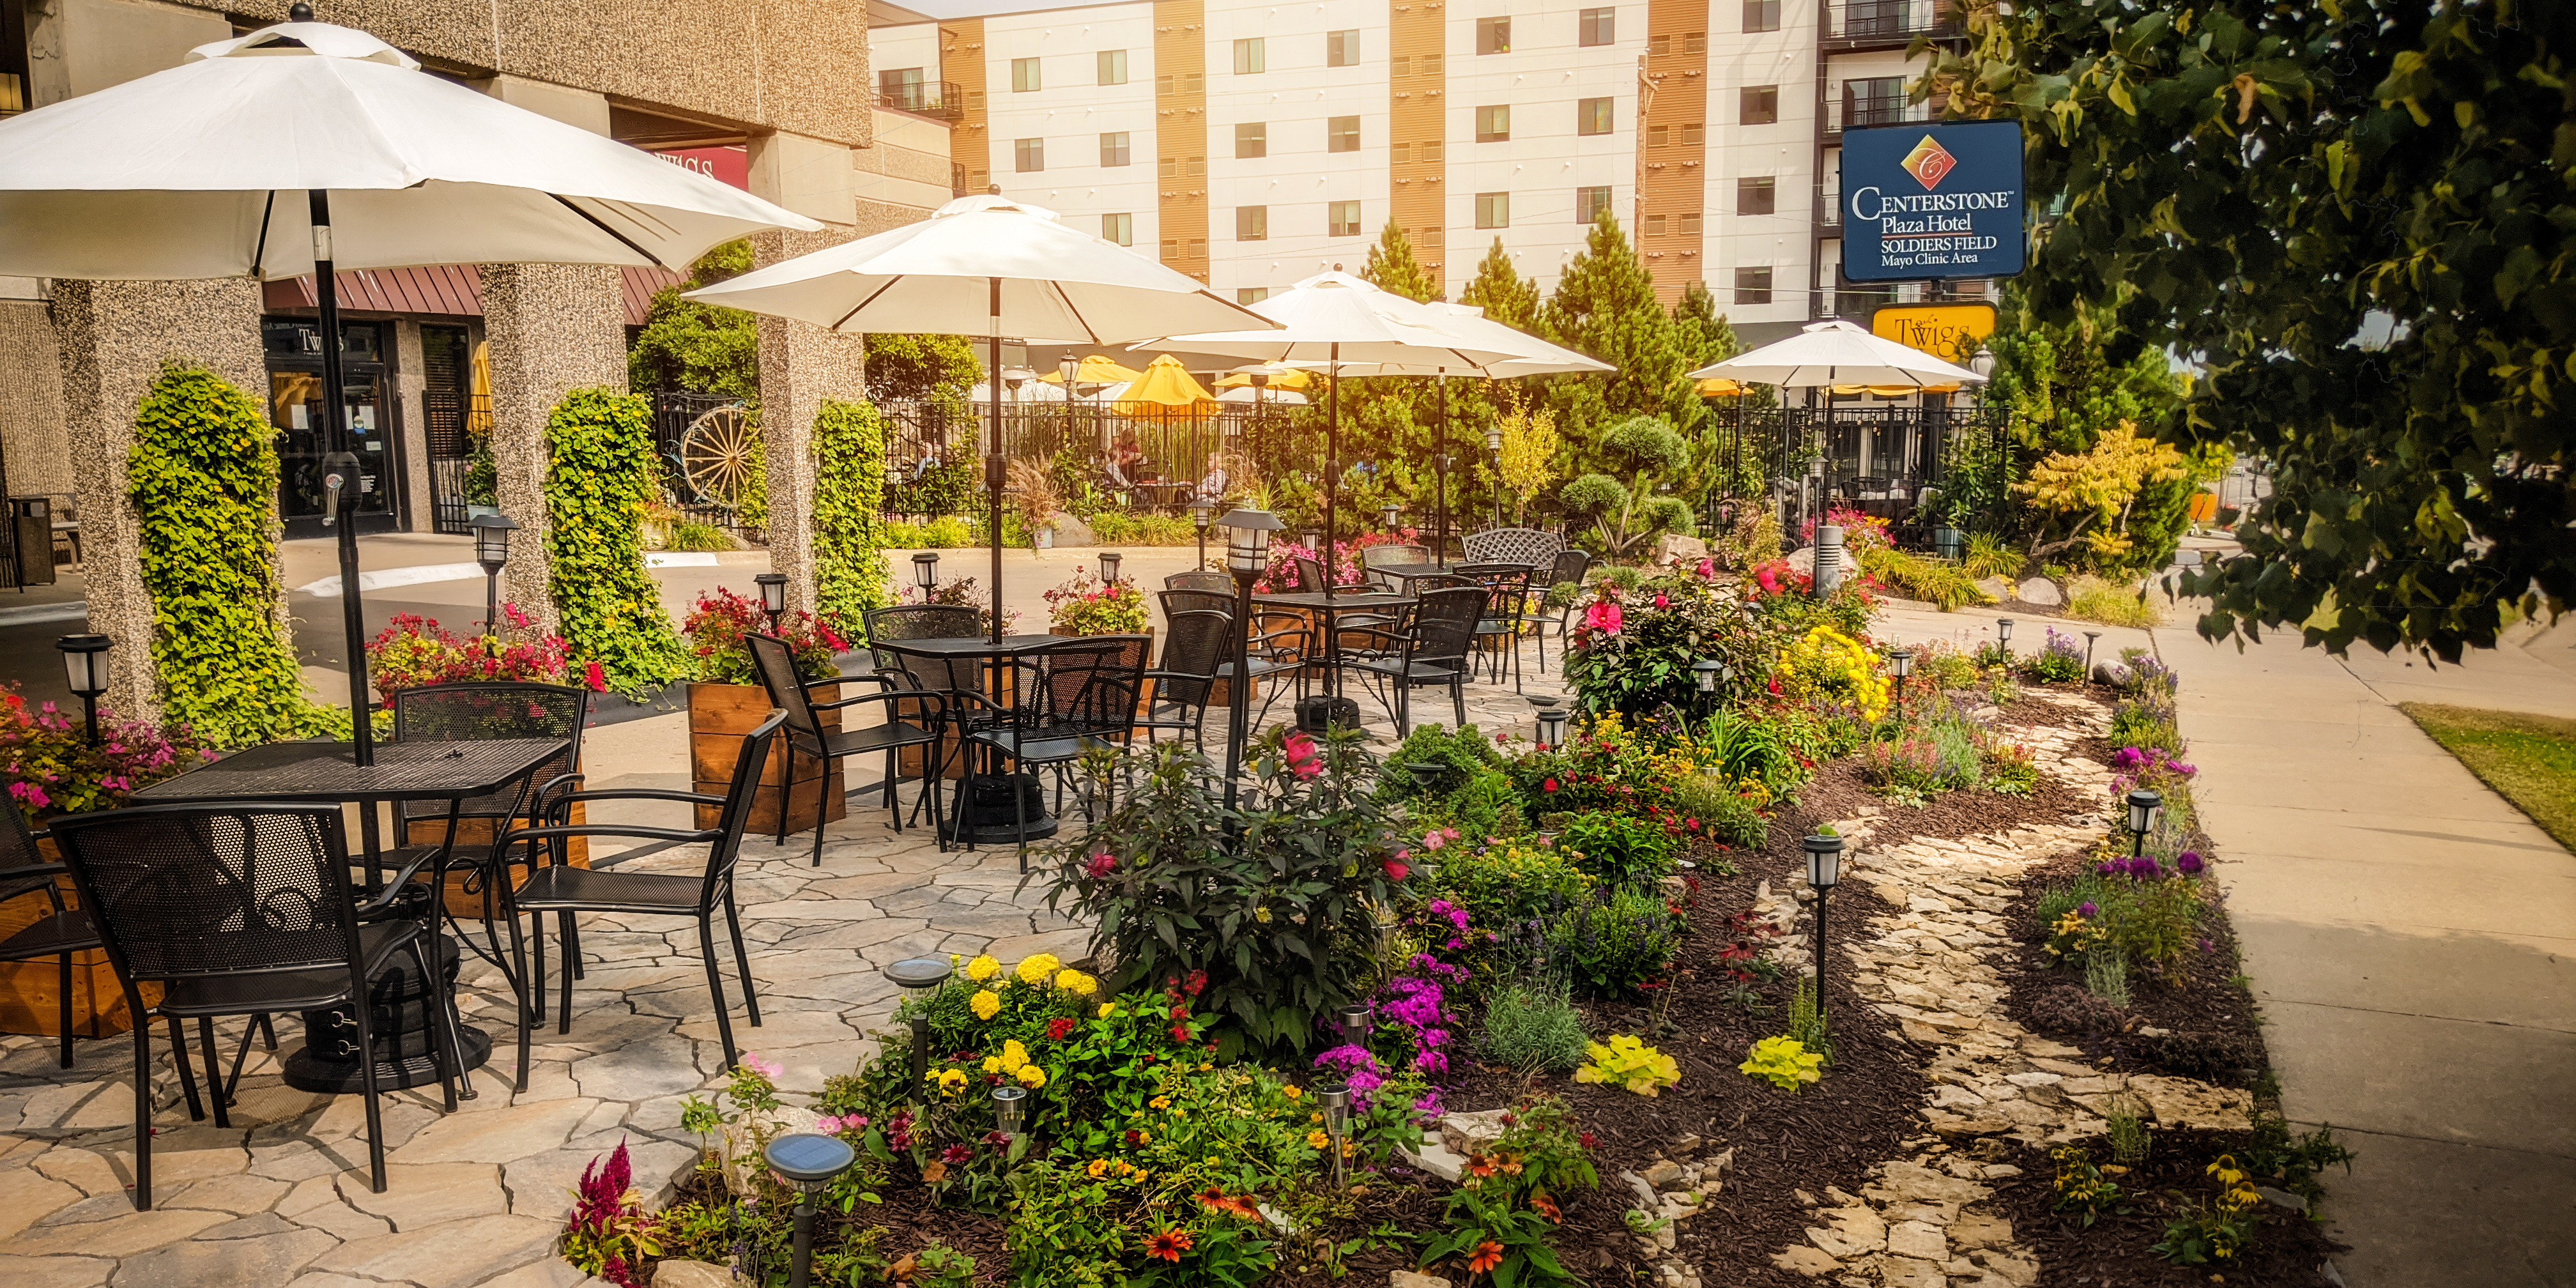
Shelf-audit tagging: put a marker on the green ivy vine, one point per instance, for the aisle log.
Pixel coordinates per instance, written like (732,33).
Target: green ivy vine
(849,499)
(203,478)
(601,474)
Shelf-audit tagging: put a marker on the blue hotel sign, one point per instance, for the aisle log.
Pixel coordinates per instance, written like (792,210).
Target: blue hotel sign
(1932,201)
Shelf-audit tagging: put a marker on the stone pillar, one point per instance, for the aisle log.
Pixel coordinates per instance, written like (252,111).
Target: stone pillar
(115,336)
(801,364)
(411,424)
(553,328)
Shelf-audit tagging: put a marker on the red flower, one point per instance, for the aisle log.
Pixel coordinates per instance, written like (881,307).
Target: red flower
(1180,1033)
(1180,1013)
(1590,1141)
(1058,1027)
(1488,1255)
(1101,865)
(1169,1245)
(1548,786)
(1396,871)
(595,679)
(1195,984)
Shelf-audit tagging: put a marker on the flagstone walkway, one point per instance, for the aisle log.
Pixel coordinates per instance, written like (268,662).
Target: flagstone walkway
(280,1199)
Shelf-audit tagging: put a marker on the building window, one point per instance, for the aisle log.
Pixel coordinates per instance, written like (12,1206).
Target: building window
(1028,155)
(1247,57)
(1344,218)
(1690,224)
(1113,67)
(1431,153)
(1757,105)
(1342,48)
(1493,210)
(1694,42)
(1431,64)
(1753,285)
(1113,149)
(1589,203)
(1658,135)
(1251,294)
(1118,228)
(1251,139)
(1251,223)
(1171,168)
(1342,134)
(1024,75)
(1592,116)
(1193,167)
(1692,133)
(978,180)
(1876,100)
(1399,67)
(1756,196)
(1654,225)
(974,100)
(1493,35)
(1762,15)
(1493,124)
(900,88)
(1596,27)
(1400,154)
(1431,237)
(1659,45)
(1171,249)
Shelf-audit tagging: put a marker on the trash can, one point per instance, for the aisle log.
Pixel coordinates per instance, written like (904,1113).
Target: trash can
(31,538)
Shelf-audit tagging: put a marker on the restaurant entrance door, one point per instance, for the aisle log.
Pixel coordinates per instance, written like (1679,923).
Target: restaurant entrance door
(294,350)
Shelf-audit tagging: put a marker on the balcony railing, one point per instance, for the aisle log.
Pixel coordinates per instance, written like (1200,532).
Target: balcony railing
(1860,113)
(939,100)
(1855,23)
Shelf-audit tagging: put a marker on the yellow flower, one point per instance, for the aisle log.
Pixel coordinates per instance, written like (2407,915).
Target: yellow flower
(1076,983)
(985,1004)
(1035,968)
(952,1081)
(1032,1077)
(1317,1140)
(982,968)
(1291,1092)
(1014,1056)
(1098,1166)
(1143,1137)
(1204,1066)
(1315,1118)
(1142,1173)
(1108,1009)
(1160,1102)
(992,1064)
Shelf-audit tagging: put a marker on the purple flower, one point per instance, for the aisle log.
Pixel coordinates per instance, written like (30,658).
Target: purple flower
(2089,911)
(2130,758)
(2190,864)
(2181,768)
(2206,946)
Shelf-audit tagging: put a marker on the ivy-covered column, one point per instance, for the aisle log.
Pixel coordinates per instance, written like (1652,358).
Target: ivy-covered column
(115,337)
(801,367)
(553,328)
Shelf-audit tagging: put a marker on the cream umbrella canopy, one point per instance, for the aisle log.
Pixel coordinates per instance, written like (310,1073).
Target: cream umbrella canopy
(991,266)
(1837,353)
(307,148)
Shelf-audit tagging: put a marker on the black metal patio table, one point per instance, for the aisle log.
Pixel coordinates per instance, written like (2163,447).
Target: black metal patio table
(328,773)
(996,654)
(1330,608)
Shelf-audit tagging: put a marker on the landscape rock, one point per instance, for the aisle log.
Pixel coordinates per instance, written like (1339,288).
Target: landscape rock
(692,1274)
(1807,1261)
(1856,1231)
(2040,591)
(1439,1160)
(1907,1272)
(1471,1132)
(1412,1279)
(1980,1230)
(1674,548)
(2193,1106)
(1663,1174)
(1917,1239)
(1071,531)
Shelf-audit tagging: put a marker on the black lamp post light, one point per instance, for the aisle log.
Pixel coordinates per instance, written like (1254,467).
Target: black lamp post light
(1390,512)
(85,665)
(1247,556)
(1706,674)
(1900,664)
(1824,870)
(2146,809)
(1552,720)
(919,976)
(807,1162)
(492,550)
(1109,561)
(2089,638)
(925,572)
(2003,635)
(1202,512)
(773,597)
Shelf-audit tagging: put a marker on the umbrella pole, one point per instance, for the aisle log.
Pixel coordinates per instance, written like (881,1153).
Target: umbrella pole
(993,459)
(1332,480)
(340,460)
(1440,472)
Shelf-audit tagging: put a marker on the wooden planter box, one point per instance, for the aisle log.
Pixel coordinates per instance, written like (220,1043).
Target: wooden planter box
(719,716)
(30,992)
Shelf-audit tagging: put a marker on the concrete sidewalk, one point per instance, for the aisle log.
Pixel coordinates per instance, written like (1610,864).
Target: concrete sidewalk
(2410,936)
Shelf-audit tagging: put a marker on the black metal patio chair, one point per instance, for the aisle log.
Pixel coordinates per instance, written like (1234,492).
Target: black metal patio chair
(1432,650)
(58,933)
(1069,699)
(913,718)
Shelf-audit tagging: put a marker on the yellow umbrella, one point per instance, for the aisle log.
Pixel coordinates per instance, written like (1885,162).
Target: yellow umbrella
(1281,377)
(1095,370)
(1720,387)
(478,409)
(1165,384)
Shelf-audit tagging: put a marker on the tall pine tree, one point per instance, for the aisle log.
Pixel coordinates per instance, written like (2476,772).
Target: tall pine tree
(1500,290)
(1604,305)
(1392,267)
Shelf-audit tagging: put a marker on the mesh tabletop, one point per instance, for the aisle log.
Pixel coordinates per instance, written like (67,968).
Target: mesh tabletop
(328,771)
(979,646)
(1337,602)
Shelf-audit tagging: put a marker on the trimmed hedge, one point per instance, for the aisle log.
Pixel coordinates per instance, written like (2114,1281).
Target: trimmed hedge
(849,498)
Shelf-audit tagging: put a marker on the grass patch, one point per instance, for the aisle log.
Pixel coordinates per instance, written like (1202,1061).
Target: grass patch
(2092,599)
(2529,760)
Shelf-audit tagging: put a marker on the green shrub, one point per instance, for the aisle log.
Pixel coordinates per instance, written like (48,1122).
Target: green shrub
(2143,724)
(203,477)
(1533,1029)
(1510,881)
(1616,849)
(1615,942)
(1473,792)
(2150,922)
(601,474)
(2092,599)
(1915,577)
(1988,556)
(699,536)
(1119,528)
(849,497)
(1807,1020)
(1725,815)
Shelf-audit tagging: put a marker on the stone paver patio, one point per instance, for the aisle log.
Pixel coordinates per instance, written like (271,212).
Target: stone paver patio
(477,1197)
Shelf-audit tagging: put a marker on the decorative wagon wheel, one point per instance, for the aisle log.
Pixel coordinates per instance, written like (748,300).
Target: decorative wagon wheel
(716,454)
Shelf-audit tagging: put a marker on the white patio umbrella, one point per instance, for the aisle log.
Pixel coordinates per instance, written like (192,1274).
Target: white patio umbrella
(308,148)
(985,265)
(1837,353)
(1334,318)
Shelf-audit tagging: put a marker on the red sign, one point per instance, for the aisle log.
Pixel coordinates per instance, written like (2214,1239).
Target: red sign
(728,166)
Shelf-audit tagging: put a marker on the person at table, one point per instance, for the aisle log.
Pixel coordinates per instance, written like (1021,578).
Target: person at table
(1127,464)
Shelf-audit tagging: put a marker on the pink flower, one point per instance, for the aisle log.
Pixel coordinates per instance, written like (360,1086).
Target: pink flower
(1708,569)
(1396,871)
(1432,839)
(1662,602)
(1304,761)
(1101,865)
(1602,617)
(594,679)
(769,1069)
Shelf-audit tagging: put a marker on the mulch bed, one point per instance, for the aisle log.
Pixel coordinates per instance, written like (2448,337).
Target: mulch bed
(2288,1248)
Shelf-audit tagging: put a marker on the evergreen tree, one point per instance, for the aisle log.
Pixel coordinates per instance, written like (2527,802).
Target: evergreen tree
(1500,290)
(700,348)
(1701,330)
(1604,305)
(1392,267)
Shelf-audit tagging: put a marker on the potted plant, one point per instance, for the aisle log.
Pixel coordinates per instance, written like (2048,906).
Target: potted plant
(51,771)
(415,651)
(1087,606)
(727,701)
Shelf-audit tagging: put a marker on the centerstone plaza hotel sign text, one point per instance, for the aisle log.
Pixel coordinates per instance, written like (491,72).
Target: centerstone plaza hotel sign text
(1922,202)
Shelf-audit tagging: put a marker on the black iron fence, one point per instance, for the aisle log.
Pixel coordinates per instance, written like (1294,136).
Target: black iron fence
(1154,459)
(1894,461)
